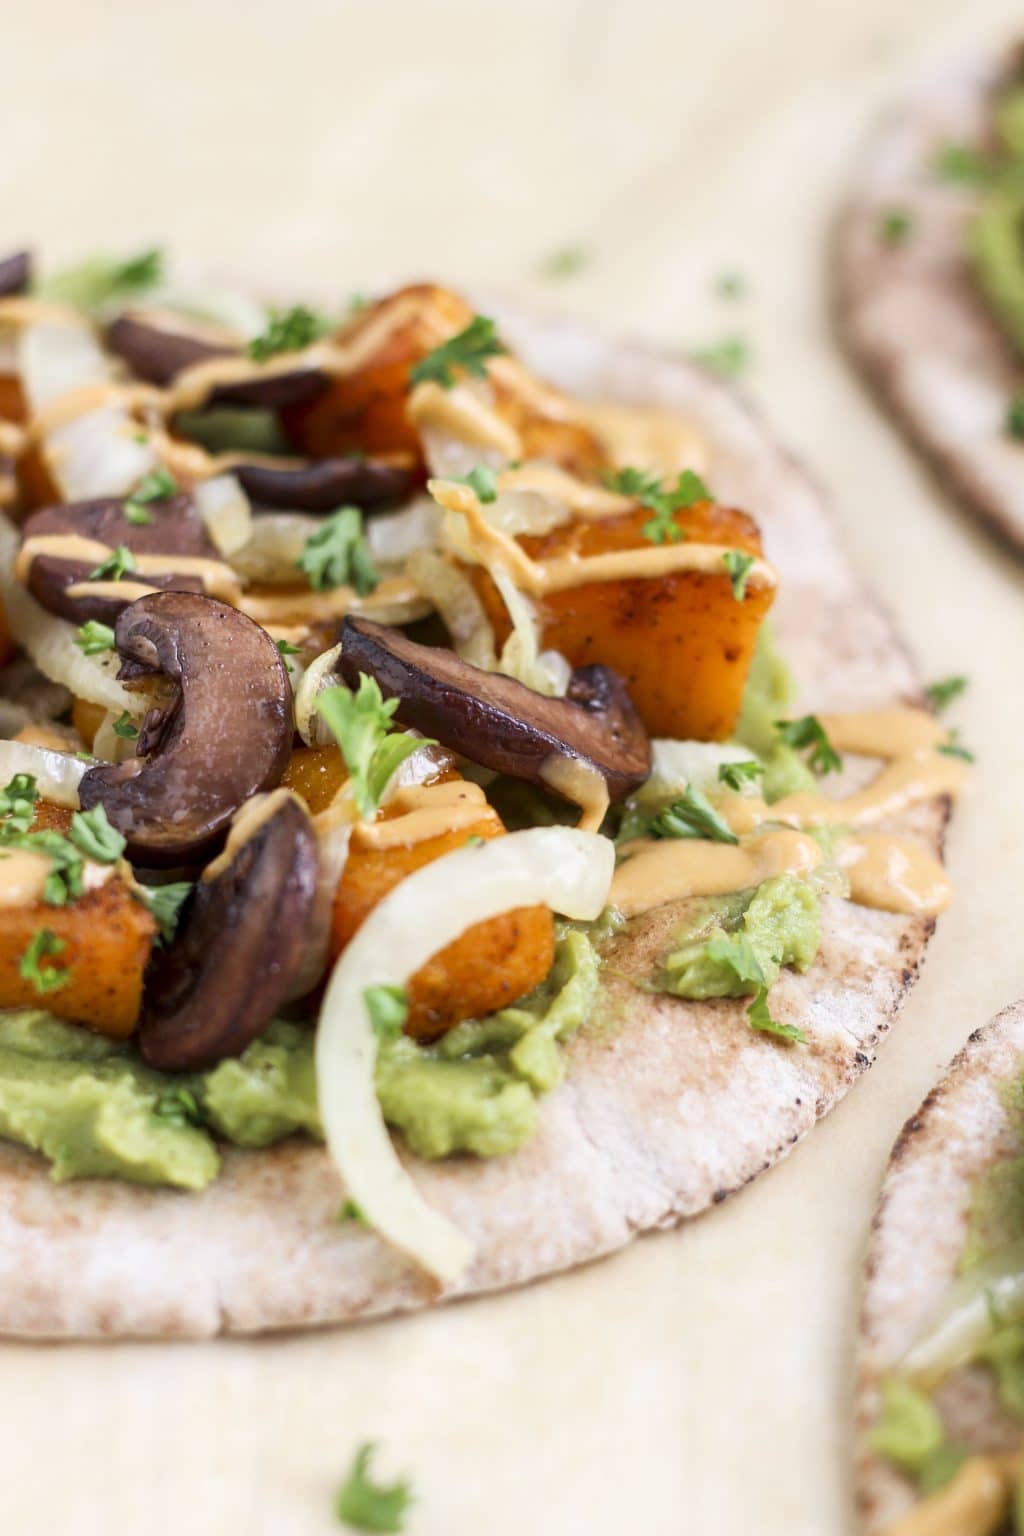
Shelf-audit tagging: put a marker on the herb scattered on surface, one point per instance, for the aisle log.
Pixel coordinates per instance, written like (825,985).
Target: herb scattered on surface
(338,555)
(288,330)
(361,725)
(388,1008)
(941,693)
(691,814)
(739,565)
(567,261)
(727,357)
(18,804)
(165,903)
(808,731)
(735,775)
(468,351)
(895,225)
(44,945)
(366,1505)
(1015,418)
(125,727)
(760,1018)
(92,834)
(647,489)
(117,564)
(484,482)
(94,637)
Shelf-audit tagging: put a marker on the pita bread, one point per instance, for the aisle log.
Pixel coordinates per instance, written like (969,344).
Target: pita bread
(666,1113)
(911,313)
(918,1236)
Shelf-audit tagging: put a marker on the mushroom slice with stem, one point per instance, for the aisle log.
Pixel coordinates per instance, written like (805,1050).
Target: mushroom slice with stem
(226,736)
(325,485)
(15,274)
(157,351)
(240,943)
(500,723)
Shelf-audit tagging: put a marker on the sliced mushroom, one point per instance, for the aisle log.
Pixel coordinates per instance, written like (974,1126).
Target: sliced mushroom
(226,736)
(238,948)
(325,485)
(15,274)
(176,529)
(157,353)
(272,391)
(498,722)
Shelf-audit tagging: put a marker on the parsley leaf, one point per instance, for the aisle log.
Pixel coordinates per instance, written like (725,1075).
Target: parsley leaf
(286,650)
(156,486)
(730,285)
(484,482)
(940,694)
(955,748)
(388,1008)
(368,1506)
(735,775)
(338,554)
(114,566)
(350,1211)
(1015,417)
(691,815)
(648,491)
(469,350)
(736,951)
(94,637)
(959,162)
(739,566)
(288,330)
(142,271)
(64,882)
(361,725)
(567,261)
(18,803)
(727,357)
(178,1106)
(165,903)
(125,727)
(91,832)
(894,226)
(760,1018)
(808,731)
(43,946)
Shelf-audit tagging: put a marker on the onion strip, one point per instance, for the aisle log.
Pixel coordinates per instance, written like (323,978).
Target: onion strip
(57,774)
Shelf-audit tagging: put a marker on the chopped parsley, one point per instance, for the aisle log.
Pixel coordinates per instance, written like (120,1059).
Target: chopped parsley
(142,271)
(350,1211)
(565,262)
(368,1506)
(178,1106)
(64,882)
(954,747)
(165,902)
(727,357)
(388,1008)
(894,225)
(286,650)
(94,637)
(735,775)
(730,285)
(760,1018)
(959,162)
(739,565)
(484,482)
(808,731)
(468,351)
(91,832)
(361,725)
(156,486)
(691,815)
(44,945)
(117,563)
(1015,418)
(288,330)
(647,489)
(18,804)
(338,554)
(125,727)
(940,694)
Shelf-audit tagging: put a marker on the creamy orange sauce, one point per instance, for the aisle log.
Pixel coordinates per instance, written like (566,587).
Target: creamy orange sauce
(648,438)
(465,414)
(894,875)
(580,784)
(218,579)
(24,872)
(579,497)
(974,1503)
(424,811)
(670,869)
(246,822)
(296,605)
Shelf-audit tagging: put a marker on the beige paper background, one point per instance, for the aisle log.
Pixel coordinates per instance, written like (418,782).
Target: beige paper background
(698,1382)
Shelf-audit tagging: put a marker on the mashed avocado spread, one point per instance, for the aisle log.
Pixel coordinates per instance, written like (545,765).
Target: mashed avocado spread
(996,237)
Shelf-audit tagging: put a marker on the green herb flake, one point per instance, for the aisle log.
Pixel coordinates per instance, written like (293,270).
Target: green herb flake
(365,1505)
(117,564)
(125,727)
(568,261)
(18,803)
(941,694)
(894,226)
(728,357)
(954,747)
(156,486)
(178,1106)
(350,1211)
(962,163)
(388,1008)
(760,1019)
(142,271)
(92,834)
(1015,418)
(735,775)
(165,902)
(94,637)
(808,731)
(692,815)
(286,650)
(483,482)
(647,489)
(468,351)
(361,724)
(45,945)
(338,555)
(730,285)
(739,566)
(288,330)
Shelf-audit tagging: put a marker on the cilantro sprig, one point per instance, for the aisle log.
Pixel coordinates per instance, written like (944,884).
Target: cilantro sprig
(648,490)
(165,902)
(361,724)
(115,566)
(388,1008)
(92,834)
(691,814)
(338,554)
(93,637)
(727,357)
(943,691)
(43,946)
(156,486)
(737,953)
(484,482)
(288,330)
(467,351)
(735,775)
(18,804)
(739,565)
(808,732)
(366,1505)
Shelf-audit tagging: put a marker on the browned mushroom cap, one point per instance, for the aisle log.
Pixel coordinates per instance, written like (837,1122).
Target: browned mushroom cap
(176,529)
(325,485)
(156,352)
(227,735)
(15,274)
(272,391)
(238,947)
(499,722)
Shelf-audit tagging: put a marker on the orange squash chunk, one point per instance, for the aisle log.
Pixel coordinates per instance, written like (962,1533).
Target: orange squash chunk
(485,968)
(315,773)
(682,642)
(87,718)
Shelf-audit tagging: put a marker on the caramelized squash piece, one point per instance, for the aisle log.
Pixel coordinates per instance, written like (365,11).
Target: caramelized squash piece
(682,642)
(487,967)
(36,485)
(315,773)
(87,718)
(107,938)
(12,399)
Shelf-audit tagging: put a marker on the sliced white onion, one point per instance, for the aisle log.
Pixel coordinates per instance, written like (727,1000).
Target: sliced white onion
(98,454)
(520,511)
(569,871)
(50,641)
(521,657)
(57,774)
(333,831)
(453,595)
(989,1292)
(275,542)
(675,764)
(227,512)
(394,536)
(219,306)
(320,674)
(108,745)
(55,359)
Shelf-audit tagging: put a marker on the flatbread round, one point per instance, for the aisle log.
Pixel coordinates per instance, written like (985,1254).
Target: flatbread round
(911,313)
(668,1107)
(919,1232)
